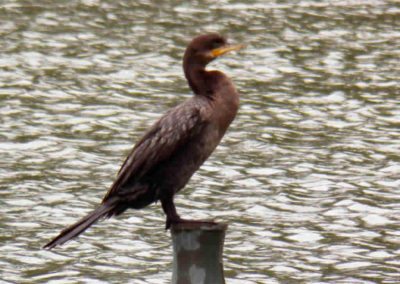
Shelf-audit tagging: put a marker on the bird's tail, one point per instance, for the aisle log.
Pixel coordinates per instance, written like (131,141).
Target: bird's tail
(104,210)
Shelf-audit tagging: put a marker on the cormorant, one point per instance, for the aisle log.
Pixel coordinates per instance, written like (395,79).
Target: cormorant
(166,157)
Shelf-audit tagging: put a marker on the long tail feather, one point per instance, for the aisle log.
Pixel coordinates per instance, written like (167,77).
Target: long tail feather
(84,223)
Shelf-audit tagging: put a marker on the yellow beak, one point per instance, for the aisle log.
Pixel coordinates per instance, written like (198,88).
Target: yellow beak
(222,50)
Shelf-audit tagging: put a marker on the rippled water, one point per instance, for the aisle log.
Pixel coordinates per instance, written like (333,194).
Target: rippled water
(307,176)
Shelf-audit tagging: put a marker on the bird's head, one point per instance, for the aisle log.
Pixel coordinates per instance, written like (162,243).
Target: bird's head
(205,48)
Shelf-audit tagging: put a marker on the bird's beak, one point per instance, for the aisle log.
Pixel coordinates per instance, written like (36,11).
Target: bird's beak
(222,50)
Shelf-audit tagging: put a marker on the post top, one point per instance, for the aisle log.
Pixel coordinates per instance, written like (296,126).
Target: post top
(201,226)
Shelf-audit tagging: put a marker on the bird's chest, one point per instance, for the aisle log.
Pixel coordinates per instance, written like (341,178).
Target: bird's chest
(226,107)
(200,148)
(189,158)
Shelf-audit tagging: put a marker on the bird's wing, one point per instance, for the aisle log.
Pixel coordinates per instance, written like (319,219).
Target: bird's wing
(163,139)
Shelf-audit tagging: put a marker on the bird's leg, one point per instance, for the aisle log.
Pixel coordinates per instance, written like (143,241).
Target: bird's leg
(169,209)
(173,217)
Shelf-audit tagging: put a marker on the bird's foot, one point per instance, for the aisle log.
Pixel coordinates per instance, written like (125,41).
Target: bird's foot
(170,222)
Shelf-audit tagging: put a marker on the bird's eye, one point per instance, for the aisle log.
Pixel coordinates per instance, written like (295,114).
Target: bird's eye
(217,43)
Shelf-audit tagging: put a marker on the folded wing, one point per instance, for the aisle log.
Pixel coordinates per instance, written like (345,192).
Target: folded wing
(163,139)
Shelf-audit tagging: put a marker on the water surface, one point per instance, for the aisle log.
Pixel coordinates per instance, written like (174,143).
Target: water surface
(307,176)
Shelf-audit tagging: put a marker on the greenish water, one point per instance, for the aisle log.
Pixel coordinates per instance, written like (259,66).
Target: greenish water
(307,176)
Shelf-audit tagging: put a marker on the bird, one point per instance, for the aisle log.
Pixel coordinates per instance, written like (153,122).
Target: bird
(162,162)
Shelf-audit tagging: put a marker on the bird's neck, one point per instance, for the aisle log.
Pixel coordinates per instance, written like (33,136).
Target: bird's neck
(199,80)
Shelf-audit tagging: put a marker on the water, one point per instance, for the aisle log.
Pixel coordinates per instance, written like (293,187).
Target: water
(307,176)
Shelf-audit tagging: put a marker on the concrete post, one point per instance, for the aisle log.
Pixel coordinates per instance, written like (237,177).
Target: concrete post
(198,253)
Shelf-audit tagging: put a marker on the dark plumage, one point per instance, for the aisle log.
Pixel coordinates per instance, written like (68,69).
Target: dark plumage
(163,161)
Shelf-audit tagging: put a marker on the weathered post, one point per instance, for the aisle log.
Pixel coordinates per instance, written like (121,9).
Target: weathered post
(198,251)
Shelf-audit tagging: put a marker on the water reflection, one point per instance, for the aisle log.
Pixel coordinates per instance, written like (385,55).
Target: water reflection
(306,176)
